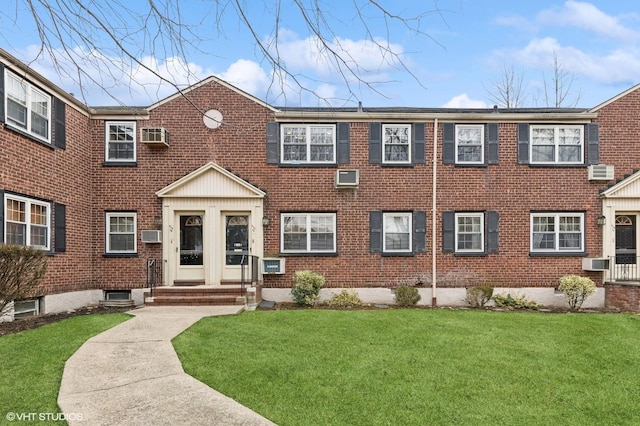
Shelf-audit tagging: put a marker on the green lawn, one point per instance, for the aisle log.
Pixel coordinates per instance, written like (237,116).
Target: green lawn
(417,366)
(31,362)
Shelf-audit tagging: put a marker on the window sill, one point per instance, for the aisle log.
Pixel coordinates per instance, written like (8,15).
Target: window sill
(119,255)
(558,166)
(307,254)
(397,165)
(471,254)
(398,254)
(557,254)
(312,165)
(471,165)
(120,164)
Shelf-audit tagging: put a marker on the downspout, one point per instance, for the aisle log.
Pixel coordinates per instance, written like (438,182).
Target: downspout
(434,215)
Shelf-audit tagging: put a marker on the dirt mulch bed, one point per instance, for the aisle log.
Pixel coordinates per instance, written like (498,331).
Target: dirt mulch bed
(28,323)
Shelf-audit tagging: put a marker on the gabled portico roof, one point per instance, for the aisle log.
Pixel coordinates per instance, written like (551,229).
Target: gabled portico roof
(211,181)
(628,187)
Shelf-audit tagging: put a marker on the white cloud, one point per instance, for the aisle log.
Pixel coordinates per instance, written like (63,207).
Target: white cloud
(248,76)
(463,101)
(616,67)
(588,17)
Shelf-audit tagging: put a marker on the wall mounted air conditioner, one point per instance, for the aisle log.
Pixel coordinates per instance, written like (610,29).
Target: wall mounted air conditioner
(155,136)
(151,236)
(347,178)
(273,265)
(601,172)
(595,264)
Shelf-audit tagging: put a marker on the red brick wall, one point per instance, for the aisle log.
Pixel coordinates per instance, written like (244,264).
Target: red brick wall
(61,176)
(624,297)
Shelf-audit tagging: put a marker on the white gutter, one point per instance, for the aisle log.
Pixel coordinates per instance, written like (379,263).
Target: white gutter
(434,215)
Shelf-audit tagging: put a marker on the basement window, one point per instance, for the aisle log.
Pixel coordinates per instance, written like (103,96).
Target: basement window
(112,295)
(26,308)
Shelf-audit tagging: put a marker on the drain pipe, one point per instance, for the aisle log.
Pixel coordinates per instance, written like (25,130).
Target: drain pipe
(434,215)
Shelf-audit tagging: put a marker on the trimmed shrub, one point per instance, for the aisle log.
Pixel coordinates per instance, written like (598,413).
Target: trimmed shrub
(345,299)
(407,296)
(517,302)
(306,287)
(478,296)
(576,289)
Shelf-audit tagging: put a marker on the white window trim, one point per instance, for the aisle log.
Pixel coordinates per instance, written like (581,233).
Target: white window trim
(28,202)
(556,143)
(107,141)
(308,143)
(308,217)
(385,217)
(410,140)
(557,216)
(482,233)
(107,244)
(30,88)
(482,142)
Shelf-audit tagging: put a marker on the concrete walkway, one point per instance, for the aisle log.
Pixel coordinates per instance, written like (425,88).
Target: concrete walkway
(131,375)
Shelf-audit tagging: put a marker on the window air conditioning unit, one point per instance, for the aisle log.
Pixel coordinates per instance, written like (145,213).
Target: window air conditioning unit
(347,178)
(155,136)
(151,236)
(273,265)
(600,172)
(595,264)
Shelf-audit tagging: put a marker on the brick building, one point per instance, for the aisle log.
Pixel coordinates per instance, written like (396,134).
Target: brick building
(372,198)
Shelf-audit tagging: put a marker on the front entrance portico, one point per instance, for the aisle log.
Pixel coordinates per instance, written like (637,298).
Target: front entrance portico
(211,220)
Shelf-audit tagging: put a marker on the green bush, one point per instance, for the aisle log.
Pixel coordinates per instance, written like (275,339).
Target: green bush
(478,296)
(576,289)
(306,287)
(345,299)
(517,302)
(407,296)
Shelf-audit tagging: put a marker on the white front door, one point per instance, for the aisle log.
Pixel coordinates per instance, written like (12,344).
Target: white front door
(190,248)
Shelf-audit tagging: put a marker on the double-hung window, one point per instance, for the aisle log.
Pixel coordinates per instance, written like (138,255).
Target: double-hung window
(27,222)
(557,144)
(397,232)
(469,144)
(121,233)
(120,141)
(557,232)
(469,232)
(308,232)
(311,143)
(27,107)
(396,143)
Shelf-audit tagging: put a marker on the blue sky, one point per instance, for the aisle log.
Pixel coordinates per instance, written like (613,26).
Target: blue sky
(465,46)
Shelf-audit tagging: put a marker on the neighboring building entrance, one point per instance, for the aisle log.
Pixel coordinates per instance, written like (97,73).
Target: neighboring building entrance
(190,248)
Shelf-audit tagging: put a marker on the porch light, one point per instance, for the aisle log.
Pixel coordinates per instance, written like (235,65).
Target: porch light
(601,220)
(265,221)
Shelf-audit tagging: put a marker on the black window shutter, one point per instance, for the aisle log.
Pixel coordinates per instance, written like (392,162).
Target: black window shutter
(448,232)
(60,132)
(60,229)
(1,216)
(492,143)
(523,143)
(375,143)
(2,118)
(493,218)
(448,143)
(273,142)
(342,130)
(375,232)
(418,143)
(593,143)
(419,232)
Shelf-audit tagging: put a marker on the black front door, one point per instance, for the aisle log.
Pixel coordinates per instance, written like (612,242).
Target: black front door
(625,240)
(237,239)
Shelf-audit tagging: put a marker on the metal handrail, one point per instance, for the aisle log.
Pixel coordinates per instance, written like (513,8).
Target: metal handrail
(624,268)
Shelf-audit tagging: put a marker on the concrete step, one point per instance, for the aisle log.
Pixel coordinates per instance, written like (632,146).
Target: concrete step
(194,300)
